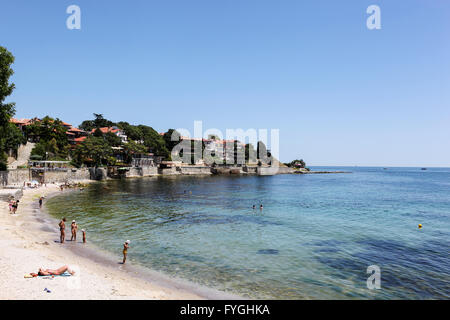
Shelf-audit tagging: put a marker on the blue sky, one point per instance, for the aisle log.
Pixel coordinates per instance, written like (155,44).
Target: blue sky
(340,94)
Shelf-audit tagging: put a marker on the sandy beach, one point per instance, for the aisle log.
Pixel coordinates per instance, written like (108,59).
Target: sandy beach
(26,245)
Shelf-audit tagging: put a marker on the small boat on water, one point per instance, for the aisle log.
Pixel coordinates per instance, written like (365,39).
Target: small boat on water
(423,169)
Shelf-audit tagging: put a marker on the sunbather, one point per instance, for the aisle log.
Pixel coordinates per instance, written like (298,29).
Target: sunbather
(57,272)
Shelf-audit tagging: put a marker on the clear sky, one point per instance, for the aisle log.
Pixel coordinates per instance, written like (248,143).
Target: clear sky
(340,94)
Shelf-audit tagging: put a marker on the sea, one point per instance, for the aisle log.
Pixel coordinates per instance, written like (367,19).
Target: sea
(348,235)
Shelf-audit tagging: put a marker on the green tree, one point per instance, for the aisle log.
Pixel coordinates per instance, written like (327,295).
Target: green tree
(93,151)
(171,138)
(98,122)
(297,163)
(51,137)
(7,110)
(112,139)
(132,148)
(8,135)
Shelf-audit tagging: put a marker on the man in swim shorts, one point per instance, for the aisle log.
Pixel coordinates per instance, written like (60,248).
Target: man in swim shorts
(62,229)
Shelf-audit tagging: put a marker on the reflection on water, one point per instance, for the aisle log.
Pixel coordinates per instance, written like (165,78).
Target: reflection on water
(315,237)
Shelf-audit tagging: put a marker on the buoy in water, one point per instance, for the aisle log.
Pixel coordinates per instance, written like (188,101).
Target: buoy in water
(420,226)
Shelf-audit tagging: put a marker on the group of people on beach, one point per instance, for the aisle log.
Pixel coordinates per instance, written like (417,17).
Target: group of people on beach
(74,230)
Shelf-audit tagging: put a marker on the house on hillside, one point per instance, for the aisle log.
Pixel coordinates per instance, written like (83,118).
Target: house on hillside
(118,132)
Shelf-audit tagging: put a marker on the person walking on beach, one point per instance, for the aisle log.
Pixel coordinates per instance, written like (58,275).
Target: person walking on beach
(126,245)
(62,229)
(84,235)
(74,228)
(40,202)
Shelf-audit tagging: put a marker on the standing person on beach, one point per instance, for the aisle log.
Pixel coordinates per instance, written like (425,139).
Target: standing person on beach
(62,229)
(40,202)
(74,228)
(126,245)
(84,235)
(15,206)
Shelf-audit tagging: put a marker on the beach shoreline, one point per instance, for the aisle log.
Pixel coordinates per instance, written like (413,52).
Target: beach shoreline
(28,241)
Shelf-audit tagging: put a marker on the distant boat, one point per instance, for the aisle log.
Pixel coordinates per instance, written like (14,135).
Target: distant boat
(423,169)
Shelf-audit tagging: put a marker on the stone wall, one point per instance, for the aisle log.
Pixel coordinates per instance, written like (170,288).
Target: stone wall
(98,173)
(70,175)
(168,171)
(145,171)
(17,177)
(195,170)
(285,170)
(14,177)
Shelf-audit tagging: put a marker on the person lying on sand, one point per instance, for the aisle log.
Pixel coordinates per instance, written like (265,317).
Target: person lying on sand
(57,272)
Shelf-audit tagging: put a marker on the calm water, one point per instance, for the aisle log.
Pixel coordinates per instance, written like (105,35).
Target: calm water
(315,237)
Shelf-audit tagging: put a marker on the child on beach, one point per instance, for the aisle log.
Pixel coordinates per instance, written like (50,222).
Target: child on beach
(126,245)
(74,228)
(11,202)
(84,235)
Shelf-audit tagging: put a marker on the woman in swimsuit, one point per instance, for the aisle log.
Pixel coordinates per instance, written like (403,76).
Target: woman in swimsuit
(57,272)
(126,245)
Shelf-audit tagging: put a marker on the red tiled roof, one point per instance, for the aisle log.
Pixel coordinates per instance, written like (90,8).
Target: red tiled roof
(106,130)
(20,121)
(80,139)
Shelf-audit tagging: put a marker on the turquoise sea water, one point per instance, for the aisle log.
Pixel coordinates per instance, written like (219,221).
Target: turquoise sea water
(314,238)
